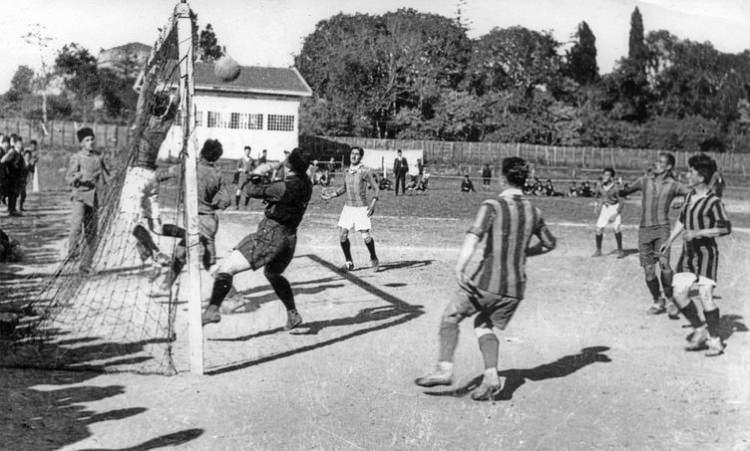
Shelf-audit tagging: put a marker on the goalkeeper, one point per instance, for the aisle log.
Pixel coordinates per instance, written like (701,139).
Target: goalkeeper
(271,247)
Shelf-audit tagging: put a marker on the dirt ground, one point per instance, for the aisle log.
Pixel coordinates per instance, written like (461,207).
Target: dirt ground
(583,366)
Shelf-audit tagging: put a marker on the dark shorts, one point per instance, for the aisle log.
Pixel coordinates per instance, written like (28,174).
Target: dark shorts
(494,310)
(271,246)
(650,239)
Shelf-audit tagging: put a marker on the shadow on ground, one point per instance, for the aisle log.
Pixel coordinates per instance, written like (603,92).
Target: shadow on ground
(515,378)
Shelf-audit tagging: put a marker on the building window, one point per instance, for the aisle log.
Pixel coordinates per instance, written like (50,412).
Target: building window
(234,120)
(255,121)
(281,123)
(214,119)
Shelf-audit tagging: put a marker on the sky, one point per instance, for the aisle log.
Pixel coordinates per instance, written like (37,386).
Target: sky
(270,32)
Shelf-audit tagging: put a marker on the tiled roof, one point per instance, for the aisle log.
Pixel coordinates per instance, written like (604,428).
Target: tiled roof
(264,80)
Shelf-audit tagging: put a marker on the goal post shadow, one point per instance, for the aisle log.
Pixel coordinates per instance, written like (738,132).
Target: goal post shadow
(395,311)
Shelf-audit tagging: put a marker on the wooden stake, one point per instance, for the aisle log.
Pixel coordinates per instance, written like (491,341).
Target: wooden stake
(187,91)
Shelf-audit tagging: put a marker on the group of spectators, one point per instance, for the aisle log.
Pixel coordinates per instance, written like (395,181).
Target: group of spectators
(17,165)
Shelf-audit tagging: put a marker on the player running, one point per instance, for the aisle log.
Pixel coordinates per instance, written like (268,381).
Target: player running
(356,212)
(702,219)
(609,212)
(495,289)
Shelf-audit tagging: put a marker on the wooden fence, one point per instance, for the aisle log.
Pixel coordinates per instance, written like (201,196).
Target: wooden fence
(476,153)
(63,133)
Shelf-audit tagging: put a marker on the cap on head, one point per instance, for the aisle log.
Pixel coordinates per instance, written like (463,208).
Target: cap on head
(84,133)
(212,150)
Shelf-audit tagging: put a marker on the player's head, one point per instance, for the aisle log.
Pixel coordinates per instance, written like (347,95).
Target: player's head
(264,152)
(27,154)
(212,150)
(701,168)
(5,142)
(298,160)
(248,149)
(608,174)
(356,154)
(86,138)
(398,152)
(17,142)
(664,163)
(33,144)
(515,171)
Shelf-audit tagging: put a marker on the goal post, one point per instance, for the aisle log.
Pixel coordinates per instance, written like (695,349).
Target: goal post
(189,152)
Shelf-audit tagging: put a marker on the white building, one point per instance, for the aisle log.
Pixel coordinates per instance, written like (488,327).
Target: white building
(259,109)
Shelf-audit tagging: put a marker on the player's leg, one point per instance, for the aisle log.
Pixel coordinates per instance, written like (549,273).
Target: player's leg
(647,255)
(666,273)
(22,195)
(236,262)
(601,223)
(682,283)
(363,225)
(76,227)
(617,227)
(90,231)
(208,226)
(145,244)
(711,313)
(458,308)
(345,223)
(273,272)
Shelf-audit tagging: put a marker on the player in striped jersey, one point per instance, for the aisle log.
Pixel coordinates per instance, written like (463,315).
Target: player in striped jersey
(609,212)
(356,212)
(659,190)
(701,220)
(493,292)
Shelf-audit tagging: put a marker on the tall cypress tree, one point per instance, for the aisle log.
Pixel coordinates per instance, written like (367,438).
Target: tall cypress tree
(582,56)
(637,50)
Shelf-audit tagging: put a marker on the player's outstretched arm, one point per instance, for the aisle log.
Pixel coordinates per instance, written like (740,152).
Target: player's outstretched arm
(376,189)
(636,186)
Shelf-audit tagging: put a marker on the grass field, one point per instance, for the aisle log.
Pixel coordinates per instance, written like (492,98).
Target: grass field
(583,367)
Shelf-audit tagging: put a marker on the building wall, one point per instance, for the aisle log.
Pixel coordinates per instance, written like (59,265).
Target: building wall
(221,107)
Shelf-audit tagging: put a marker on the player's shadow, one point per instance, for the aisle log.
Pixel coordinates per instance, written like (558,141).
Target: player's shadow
(729,324)
(252,303)
(514,378)
(404,264)
(627,252)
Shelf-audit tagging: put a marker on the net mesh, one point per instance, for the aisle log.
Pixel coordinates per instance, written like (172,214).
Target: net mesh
(120,316)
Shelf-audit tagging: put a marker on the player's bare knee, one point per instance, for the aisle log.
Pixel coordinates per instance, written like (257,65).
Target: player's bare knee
(233,264)
(343,235)
(366,235)
(483,330)
(706,293)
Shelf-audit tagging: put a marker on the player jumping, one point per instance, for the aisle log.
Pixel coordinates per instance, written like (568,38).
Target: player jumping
(496,288)
(356,212)
(609,212)
(701,220)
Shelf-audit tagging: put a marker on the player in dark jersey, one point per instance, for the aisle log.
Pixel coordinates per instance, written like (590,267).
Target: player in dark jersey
(495,289)
(659,189)
(610,208)
(271,247)
(702,219)
(356,212)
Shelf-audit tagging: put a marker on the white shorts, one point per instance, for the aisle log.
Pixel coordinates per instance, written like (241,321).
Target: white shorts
(354,217)
(684,281)
(609,215)
(140,193)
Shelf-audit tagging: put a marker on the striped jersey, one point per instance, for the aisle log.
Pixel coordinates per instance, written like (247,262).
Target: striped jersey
(507,224)
(608,193)
(658,194)
(356,181)
(701,255)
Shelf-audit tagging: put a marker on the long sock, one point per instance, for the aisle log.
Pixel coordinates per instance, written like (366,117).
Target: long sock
(618,238)
(488,346)
(222,285)
(666,282)
(346,247)
(173,231)
(144,239)
(448,340)
(712,321)
(598,242)
(691,313)
(653,288)
(283,290)
(371,247)
(237,201)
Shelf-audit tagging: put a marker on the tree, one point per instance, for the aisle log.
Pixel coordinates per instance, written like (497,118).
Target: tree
(208,45)
(20,84)
(78,68)
(581,64)
(637,50)
(513,57)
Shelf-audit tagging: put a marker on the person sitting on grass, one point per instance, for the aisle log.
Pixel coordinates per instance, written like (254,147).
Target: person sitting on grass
(466,185)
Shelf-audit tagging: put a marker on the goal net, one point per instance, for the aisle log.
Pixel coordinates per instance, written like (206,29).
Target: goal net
(121,315)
